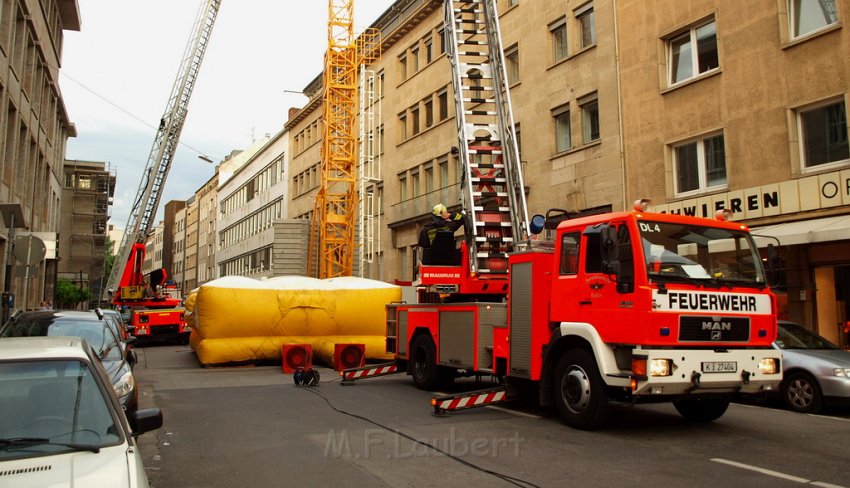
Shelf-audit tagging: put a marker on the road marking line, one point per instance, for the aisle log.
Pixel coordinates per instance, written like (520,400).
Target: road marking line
(775,474)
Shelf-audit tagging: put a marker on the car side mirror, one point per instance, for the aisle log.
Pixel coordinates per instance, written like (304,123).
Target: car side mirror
(145,420)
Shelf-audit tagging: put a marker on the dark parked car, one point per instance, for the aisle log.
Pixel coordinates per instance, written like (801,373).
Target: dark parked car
(95,330)
(815,372)
(119,327)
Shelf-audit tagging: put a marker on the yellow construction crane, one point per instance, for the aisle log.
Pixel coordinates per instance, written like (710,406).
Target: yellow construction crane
(336,201)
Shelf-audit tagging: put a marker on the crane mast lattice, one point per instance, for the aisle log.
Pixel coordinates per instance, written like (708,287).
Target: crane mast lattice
(336,200)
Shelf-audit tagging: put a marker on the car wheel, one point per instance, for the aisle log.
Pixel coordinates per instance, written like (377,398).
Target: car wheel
(801,393)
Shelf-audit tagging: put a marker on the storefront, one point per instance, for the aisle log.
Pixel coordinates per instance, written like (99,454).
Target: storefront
(808,220)
(813,273)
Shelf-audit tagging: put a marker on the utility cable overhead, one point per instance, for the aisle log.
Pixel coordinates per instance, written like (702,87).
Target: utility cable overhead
(119,107)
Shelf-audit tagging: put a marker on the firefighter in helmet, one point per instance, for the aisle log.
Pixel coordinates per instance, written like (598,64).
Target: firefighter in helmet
(441,220)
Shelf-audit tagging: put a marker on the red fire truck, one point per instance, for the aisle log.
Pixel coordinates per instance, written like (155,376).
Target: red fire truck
(619,307)
(153,309)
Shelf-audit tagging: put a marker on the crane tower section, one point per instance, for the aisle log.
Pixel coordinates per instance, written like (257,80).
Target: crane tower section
(493,191)
(165,143)
(336,200)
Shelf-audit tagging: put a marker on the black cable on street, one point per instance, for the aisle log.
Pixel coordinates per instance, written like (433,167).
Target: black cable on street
(509,479)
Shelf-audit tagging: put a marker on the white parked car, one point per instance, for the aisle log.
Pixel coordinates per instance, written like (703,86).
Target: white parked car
(60,421)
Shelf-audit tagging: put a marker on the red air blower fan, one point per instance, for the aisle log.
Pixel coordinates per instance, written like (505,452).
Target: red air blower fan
(347,356)
(294,356)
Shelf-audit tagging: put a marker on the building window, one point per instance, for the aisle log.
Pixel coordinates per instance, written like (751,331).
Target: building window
(414,183)
(429,178)
(823,132)
(402,67)
(441,37)
(402,187)
(429,112)
(444,173)
(429,50)
(700,164)
(414,119)
(512,61)
(590,120)
(807,16)
(402,126)
(558,31)
(562,129)
(587,25)
(444,104)
(685,60)
(414,60)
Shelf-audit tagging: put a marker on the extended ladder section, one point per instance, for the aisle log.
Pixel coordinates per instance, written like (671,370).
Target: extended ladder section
(165,143)
(492,186)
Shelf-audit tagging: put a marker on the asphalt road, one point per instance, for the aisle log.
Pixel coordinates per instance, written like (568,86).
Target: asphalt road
(250,426)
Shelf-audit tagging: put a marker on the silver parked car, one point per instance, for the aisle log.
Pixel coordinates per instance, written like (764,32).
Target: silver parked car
(815,372)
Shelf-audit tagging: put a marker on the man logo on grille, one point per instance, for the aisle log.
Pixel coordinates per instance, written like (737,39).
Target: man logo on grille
(716,335)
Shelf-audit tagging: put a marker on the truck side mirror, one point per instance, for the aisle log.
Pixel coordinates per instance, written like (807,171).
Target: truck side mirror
(609,244)
(617,258)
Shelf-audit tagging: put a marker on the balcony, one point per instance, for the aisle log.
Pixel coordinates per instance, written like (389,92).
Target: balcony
(415,208)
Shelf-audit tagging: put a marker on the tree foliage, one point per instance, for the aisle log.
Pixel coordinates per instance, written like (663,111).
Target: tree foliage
(69,295)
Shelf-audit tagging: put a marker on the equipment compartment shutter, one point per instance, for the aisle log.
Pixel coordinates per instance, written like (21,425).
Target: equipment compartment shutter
(520,332)
(457,339)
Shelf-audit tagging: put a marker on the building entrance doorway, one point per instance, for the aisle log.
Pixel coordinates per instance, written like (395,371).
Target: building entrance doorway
(832,285)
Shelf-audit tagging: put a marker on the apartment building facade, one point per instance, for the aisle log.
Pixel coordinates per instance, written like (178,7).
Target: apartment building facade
(177,238)
(744,107)
(254,237)
(206,197)
(34,129)
(190,259)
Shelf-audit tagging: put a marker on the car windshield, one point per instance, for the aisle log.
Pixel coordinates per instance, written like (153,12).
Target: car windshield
(52,406)
(677,252)
(95,332)
(792,336)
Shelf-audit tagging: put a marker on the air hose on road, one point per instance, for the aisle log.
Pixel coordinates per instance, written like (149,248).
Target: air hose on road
(504,477)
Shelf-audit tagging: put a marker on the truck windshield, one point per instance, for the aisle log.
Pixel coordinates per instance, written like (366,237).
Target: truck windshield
(677,252)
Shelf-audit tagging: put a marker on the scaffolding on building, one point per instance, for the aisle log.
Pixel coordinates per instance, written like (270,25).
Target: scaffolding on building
(91,189)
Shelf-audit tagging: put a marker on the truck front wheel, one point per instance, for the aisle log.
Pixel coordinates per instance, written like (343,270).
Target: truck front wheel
(702,409)
(423,365)
(579,391)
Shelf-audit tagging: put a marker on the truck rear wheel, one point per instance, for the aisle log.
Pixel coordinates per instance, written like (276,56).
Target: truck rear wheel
(579,391)
(702,409)
(423,363)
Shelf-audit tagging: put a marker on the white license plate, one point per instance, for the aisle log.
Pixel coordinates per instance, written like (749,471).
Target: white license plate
(719,367)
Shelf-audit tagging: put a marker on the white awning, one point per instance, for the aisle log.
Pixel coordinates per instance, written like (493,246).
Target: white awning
(805,231)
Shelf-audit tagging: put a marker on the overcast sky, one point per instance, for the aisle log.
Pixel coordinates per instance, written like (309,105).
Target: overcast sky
(118,72)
